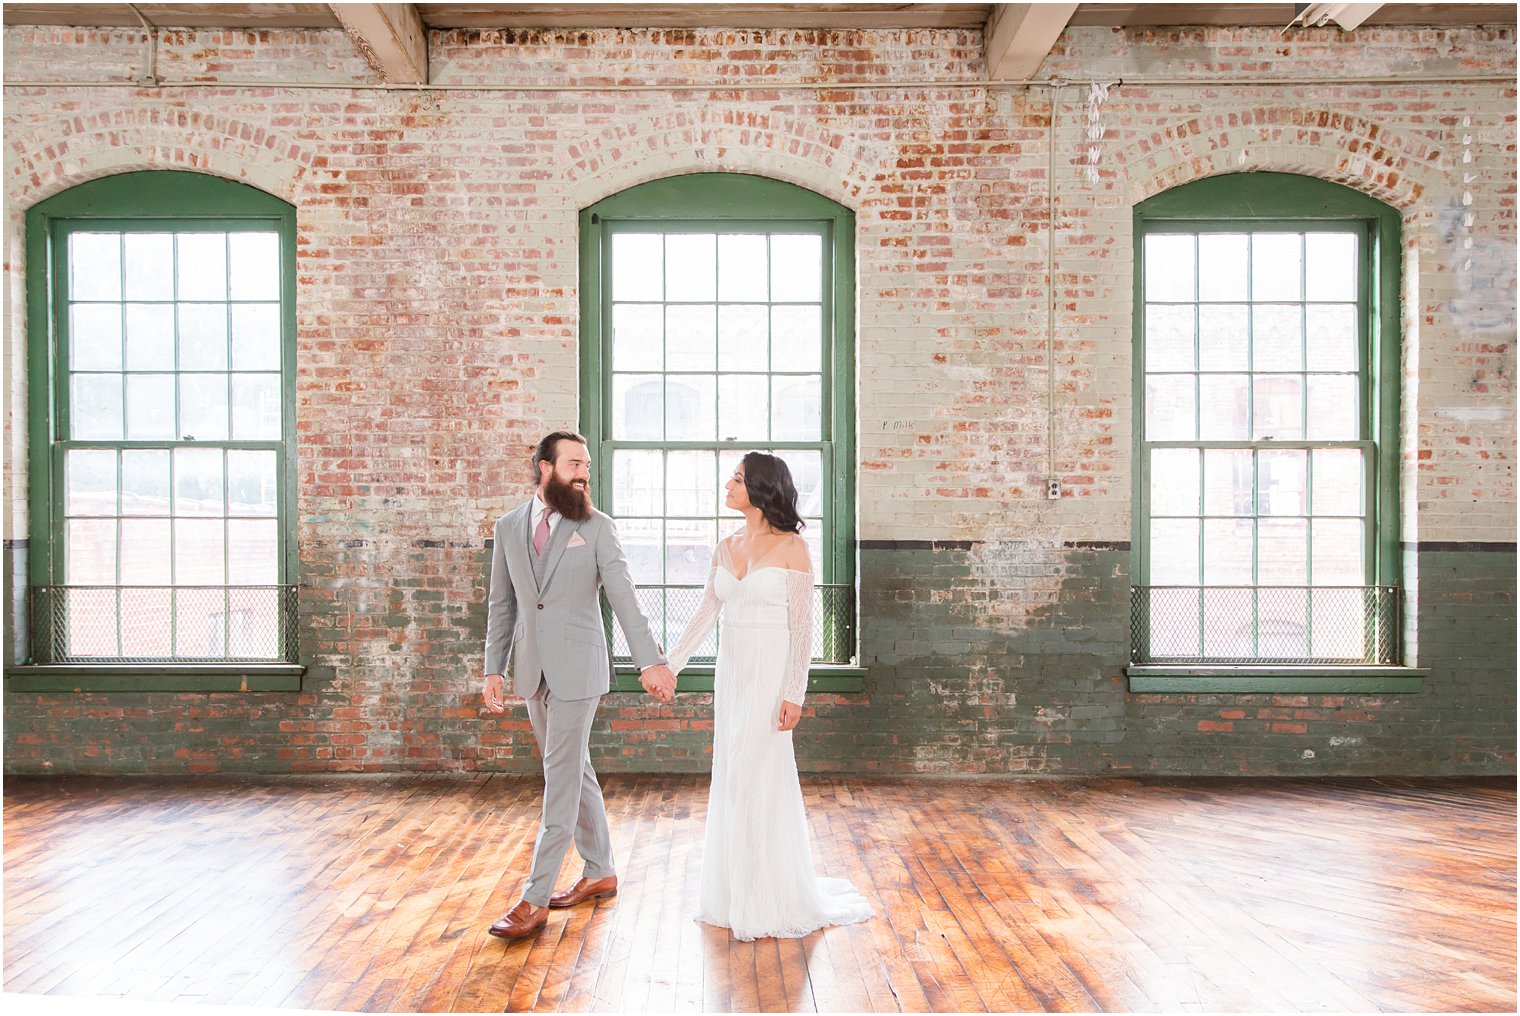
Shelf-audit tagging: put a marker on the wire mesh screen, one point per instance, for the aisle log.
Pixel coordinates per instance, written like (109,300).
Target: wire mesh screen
(1264,624)
(671,608)
(164,624)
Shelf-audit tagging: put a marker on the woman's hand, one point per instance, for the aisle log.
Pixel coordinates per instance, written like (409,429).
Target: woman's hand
(791,712)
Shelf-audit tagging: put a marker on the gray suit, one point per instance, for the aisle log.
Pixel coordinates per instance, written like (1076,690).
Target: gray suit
(543,611)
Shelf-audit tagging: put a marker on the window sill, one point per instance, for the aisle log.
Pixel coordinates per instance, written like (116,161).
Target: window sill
(699,678)
(1256,677)
(146,677)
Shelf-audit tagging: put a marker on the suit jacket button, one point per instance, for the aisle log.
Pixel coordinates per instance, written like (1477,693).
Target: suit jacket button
(540,606)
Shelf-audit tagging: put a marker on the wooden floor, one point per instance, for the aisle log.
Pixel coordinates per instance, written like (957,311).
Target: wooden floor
(374,894)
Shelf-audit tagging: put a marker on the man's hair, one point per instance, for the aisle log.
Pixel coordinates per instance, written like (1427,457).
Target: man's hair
(548,449)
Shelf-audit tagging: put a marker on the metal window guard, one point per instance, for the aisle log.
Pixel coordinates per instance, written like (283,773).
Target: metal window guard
(1265,624)
(669,609)
(164,624)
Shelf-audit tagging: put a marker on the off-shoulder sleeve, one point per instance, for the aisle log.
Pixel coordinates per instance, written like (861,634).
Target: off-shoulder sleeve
(799,613)
(701,624)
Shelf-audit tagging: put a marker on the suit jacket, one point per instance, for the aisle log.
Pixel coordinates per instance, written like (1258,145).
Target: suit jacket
(543,609)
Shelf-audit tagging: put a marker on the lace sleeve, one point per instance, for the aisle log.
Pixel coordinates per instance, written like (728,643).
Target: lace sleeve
(799,626)
(700,627)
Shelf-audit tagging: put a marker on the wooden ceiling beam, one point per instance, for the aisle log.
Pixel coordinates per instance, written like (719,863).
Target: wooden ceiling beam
(391,37)
(1019,37)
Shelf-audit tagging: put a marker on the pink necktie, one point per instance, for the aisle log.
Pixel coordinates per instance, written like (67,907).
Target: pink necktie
(541,534)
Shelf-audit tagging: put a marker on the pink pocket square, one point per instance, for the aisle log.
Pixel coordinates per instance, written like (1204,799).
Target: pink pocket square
(576,540)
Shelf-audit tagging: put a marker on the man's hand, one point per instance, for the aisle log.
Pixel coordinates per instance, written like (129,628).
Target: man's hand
(494,694)
(659,682)
(791,712)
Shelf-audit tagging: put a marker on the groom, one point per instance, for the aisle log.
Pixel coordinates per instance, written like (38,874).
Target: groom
(551,555)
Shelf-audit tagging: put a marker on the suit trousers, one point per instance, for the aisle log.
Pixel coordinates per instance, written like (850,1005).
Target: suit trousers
(573,806)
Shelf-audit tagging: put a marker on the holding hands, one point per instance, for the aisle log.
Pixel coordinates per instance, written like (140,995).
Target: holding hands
(659,682)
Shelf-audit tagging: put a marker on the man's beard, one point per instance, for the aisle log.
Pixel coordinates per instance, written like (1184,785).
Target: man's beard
(568,498)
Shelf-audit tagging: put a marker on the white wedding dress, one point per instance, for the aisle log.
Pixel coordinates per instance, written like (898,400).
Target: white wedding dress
(757,868)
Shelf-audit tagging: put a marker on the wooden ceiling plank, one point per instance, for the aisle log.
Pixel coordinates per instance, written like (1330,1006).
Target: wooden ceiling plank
(1019,37)
(390,36)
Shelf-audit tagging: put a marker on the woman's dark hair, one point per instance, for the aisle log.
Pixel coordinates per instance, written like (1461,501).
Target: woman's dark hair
(548,448)
(770,488)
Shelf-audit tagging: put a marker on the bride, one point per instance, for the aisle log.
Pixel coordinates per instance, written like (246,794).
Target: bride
(757,869)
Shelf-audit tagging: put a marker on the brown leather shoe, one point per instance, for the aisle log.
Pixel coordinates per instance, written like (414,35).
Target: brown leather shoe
(521,921)
(585,889)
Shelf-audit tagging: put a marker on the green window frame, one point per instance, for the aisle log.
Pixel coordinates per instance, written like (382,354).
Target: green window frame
(1293,387)
(162,303)
(711,365)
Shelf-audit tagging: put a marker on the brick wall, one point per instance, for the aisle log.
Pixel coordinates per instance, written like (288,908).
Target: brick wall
(437,320)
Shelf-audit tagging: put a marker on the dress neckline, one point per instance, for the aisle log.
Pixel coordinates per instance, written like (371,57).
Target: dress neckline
(769,567)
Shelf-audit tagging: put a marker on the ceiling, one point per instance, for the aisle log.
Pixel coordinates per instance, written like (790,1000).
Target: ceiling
(741,15)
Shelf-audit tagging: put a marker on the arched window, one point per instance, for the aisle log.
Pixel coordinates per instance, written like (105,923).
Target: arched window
(1266,396)
(716,319)
(162,326)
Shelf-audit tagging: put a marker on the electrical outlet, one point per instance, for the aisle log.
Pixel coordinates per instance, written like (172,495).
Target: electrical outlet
(1053,489)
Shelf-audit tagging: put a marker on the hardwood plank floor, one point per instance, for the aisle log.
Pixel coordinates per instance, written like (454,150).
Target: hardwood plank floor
(373,894)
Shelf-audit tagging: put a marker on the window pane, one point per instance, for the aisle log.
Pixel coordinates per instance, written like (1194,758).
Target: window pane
(1168,338)
(742,338)
(92,552)
(691,266)
(690,408)
(638,407)
(1222,271)
(644,545)
(95,407)
(1330,263)
(1224,333)
(94,266)
(255,273)
(200,624)
(796,268)
(255,407)
(1169,267)
(743,407)
(198,481)
(742,270)
(1169,409)
(1229,623)
(91,482)
(251,482)
(796,408)
(1174,622)
(150,407)
(256,336)
(202,336)
(688,550)
(1338,552)
(807,475)
(1282,552)
(146,555)
(1282,482)
(1332,338)
(199,552)
(1278,407)
(796,338)
(813,537)
(1224,409)
(150,266)
(1338,474)
(638,262)
(203,406)
(253,554)
(637,484)
(691,483)
(150,336)
(1277,337)
(638,337)
(254,628)
(1276,266)
(1228,546)
(202,266)
(1228,481)
(1174,481)
(691,337)
(1340,621)
(149,626)
(95,336)
(1333,407)
(145,481)
(1282,624)
(1174,552)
